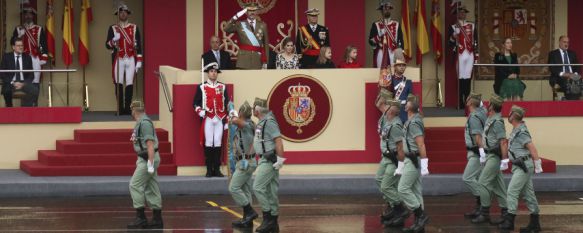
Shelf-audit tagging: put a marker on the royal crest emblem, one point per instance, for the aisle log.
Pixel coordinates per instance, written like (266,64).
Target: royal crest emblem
(265,5)
(299,109)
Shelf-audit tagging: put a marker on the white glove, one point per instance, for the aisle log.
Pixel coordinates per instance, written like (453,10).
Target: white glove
(382,32)
(264,66)
(21,31)
(399,170)
(116,36)
(504,164)
(279,164)
(150,167)
(456,31)
(42,62)
(424,166)
(240,13)
(538,167)
(201,113)
(138,66)
(482,156)
(233,113)
(226,126)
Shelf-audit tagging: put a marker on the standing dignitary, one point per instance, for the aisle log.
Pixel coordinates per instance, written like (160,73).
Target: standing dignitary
(412,165)
(17,82)
(268,144)
(385,36)
(495,145)
(144,183)
(217,55)
(253,39)
(241,185)
(310,38)
(210,103)
(463,39)
(476,154)
(125,42)
(525,161)
(35,44)
(564,75)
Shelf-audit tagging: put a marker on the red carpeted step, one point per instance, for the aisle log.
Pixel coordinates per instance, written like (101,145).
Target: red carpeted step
(73,147)
(55,158)
(445,145)
(112,135)
(35,168)
(444,132)
(448,156)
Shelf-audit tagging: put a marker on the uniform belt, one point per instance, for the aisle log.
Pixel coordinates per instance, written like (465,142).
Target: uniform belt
(256,49)
(522,158)
(240,157)
(413,154)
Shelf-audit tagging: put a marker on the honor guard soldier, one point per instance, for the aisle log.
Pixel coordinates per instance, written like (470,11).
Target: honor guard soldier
(125,42)
(144,183)
(253,39)
(412,165)
(241,187)
(385,36)
(35,44)
(210,103)
(476,154)
(463,39)
(310,38)
(268,144)
(525,161)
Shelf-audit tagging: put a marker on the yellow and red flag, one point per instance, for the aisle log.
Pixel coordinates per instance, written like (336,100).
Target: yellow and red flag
(406,29)
(50,33)
(422,38)
(86,18)
(68,44)
(436,30)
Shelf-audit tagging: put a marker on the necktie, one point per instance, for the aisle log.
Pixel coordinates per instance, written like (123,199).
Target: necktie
(18,67)
(218,56)
(566,61)
(252,25)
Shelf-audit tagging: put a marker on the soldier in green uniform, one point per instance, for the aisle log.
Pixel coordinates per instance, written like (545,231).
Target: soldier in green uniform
(525,161)
(491,180)
(475,148)
(413,164)
(381,104)
(268,144)
(144,183)
(241,185)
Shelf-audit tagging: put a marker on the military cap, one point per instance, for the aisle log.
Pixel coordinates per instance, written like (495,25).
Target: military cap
(496,100)
(517,110)
(385,95)
(260,102)
(400,57)
(123,7)
(412,98)
(253,6)
(383,3)
(312,12)
(212,66)
(136,104)
(460,8)
(245,109)
(394,103)
(475,96)
(28,9)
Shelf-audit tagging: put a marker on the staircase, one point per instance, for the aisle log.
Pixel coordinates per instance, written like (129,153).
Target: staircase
(104,152)
(446,149)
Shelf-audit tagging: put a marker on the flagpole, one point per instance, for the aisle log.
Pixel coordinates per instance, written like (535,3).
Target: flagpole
(439,102)
(67,87)
(84,90)
(50,82)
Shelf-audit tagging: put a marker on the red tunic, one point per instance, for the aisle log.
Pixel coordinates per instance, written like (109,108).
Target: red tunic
(466,38)
(128,44)
(213,100)
(31,40)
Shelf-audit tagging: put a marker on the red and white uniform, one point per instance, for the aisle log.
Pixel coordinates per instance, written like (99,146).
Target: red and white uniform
(211,101)
(34,39)
(385,36)
(125,41)
(465,37)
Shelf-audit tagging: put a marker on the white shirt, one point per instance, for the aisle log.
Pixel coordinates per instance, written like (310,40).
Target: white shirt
(18,58)
(565,62)
(252,23)
(313,27)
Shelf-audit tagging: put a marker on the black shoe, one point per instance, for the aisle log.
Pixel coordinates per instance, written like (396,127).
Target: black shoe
(484,215)
(508,223)
(265,222)
(401,215)
(208,162)
(156,222)
(503,212)
(474,213)
(140,221)
(533,225)
(388,213)
(248,216)
(421,219)
(270,226)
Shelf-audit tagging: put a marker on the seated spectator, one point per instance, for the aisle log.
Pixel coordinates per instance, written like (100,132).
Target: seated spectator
(325,59)
(18,85)
(350,55)
(217,55)
(288,59)
(507,83)
(566,77)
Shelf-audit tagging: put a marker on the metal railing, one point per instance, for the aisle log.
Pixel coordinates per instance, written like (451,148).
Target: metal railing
(165,89)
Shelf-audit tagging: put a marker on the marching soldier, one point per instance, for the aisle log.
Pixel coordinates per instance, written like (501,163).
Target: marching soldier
(144,183)
(35,44)
(241,186)
(385,36)
(381,103)
(253,39)
(413,164)
(491,180)
(525,161)
(210,103)
(475,148)
(463,39)
(310,38)
(268,144)
(125,42)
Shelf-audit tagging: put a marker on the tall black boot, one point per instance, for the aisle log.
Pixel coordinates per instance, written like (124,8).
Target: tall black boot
(140,221)
(208,161)
(119,93)
(533,225)
(474,213)
(156,222)
(248,216)
(400,216)
(217,162)
(265,222)
(503,212)
(484,215)
(128,96)
(420,220)
(508,223)
(270,226)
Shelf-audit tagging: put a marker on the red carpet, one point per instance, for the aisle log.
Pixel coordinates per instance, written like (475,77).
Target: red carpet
(40,115)
(97,153)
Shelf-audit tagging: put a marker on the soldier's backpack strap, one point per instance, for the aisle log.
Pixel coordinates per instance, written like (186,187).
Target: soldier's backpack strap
(469,127)
(387,139)
(407,133)
(488,131)
(263,134)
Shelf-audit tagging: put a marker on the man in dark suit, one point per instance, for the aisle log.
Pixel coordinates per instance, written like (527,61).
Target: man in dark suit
(18,82)
(217,55)
(563,75)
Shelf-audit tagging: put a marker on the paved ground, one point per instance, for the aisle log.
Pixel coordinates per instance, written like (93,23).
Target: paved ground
(560,212)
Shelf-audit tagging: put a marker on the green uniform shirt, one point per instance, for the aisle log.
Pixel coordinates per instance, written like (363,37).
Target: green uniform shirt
(244,138)
(494,131)
(381,125)
(146,132)
(474,125)
(267,131)
(391,134)
(518,140)
(413,128)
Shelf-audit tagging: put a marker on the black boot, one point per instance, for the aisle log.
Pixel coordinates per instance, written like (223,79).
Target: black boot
(484,215)
(503,212)
(508,223)
(119,93)
(401,215)
(156,222)
(420,220)
(248,216)
(217,162)
(474,213)
(271,226)
(208,161)
(533,225)
(140,221)
(388,212)
(128,95)
(265,222)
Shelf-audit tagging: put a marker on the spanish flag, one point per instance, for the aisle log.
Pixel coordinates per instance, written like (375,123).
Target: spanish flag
(50,27)
(422,38)
(436,30)
(68,44)
(406,29)
(86,18)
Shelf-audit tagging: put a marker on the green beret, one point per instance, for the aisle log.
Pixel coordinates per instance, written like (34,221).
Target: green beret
(518,110)
(474,95)
(496,100)
(136,104)
(260,102)
(412,98)
(385,95)
(245,109)
(394,103)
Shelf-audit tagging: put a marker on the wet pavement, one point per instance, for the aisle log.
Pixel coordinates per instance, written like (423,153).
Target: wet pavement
(560,212)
